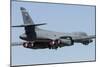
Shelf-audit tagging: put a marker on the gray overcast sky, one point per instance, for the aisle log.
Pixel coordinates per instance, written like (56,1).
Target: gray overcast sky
(60,18)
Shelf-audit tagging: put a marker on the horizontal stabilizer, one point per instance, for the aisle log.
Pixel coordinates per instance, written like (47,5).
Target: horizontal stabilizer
(25,25)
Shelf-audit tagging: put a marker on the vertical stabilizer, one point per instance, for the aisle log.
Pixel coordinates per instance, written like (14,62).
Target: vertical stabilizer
(26,17)
(29,30)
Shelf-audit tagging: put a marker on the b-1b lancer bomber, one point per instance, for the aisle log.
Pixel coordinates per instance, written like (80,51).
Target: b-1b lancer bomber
(36,38)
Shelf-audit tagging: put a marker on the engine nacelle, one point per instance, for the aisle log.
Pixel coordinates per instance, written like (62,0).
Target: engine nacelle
(64,41)
(28,44)
(67,40)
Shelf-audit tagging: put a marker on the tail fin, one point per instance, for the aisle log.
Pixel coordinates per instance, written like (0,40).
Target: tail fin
(26,17)
(28,24)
